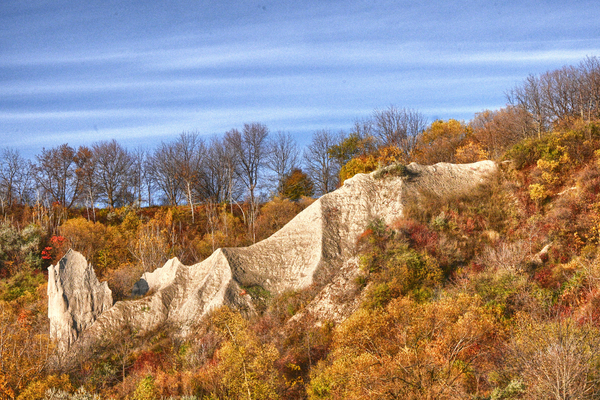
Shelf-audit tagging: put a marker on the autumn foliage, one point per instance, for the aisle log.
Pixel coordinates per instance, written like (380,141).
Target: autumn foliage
(492,294)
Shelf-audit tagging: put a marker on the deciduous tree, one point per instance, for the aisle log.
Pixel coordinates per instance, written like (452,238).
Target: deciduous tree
(246,366)
(190,151)
(497,130)
(440,140)
(113,167)
(56,175)
(410,351)
(399,127)
(162,167)
(282,156)
(557,359)
(86,170)
(296,185)
(15,178)
(24,350)
(320,166)
(250,148)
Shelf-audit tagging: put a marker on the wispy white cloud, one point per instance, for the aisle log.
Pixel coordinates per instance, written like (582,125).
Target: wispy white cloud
(82,73)
(349,53)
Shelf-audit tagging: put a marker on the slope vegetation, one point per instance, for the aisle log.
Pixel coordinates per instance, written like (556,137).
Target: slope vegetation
(316,248)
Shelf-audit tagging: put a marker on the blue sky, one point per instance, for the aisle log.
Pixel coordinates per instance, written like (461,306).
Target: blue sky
(144,71)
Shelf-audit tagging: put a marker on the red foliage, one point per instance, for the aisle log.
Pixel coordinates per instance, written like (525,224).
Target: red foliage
(545,278)
(47,253)
(476,267)
(24,318)
(563,311)
(364,236)
(591,311)
(420,236)
(265,327)
(55,250)
(57,240)
(147,361)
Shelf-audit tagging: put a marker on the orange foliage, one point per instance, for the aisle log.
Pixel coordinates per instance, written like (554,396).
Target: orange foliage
(440,141)
(23,349)
(296,185)
(438,347)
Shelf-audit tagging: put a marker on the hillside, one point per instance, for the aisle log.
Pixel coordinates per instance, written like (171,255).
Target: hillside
(453,278)
(312,249)
(444,281)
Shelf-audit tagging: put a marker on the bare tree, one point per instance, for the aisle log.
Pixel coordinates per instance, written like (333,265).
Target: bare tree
(14,178)
(529,97)
(190,155)
(321,167)
(113,169)
(282,157)
(363,128)
(56,175)
(162,168)
(557,359)
(399,127)
(249,146)
(589,71)
(218,182)
(86,170)
(139,177)
(500,129)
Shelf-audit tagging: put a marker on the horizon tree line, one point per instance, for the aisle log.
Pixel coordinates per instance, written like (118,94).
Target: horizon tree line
(242,165)
(251,164)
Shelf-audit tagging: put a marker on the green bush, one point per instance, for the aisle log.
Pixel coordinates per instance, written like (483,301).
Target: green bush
(20,248)
(398,170)
(22,284)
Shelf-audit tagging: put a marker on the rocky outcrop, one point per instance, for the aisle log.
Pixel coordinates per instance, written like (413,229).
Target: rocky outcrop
(317,246)
(75,298)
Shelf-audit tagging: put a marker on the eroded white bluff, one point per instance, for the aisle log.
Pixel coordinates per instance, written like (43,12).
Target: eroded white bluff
(321,239)
(75,298)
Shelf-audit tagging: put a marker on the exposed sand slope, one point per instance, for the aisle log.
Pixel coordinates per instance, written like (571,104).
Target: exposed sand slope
(319,242)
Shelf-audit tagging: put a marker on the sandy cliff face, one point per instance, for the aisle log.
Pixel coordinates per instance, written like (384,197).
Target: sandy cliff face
(75,298)
(318,242)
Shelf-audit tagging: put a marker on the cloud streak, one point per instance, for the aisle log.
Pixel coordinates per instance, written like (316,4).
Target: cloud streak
(80,72)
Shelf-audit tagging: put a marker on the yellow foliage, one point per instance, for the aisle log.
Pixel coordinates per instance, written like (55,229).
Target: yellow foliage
(409,351)
(471,152)
(130,224)
(146,389)
(6,391)
(597,155)
(103,246)
(549,169)
(445,129)
(37,389)
(83,235)
(359,165)
(23,350)
(556,357)
(368,163)
(274,215)
(246,366)
(537,192)
(440,142)
(390,155)
(206,245)
(149,246)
